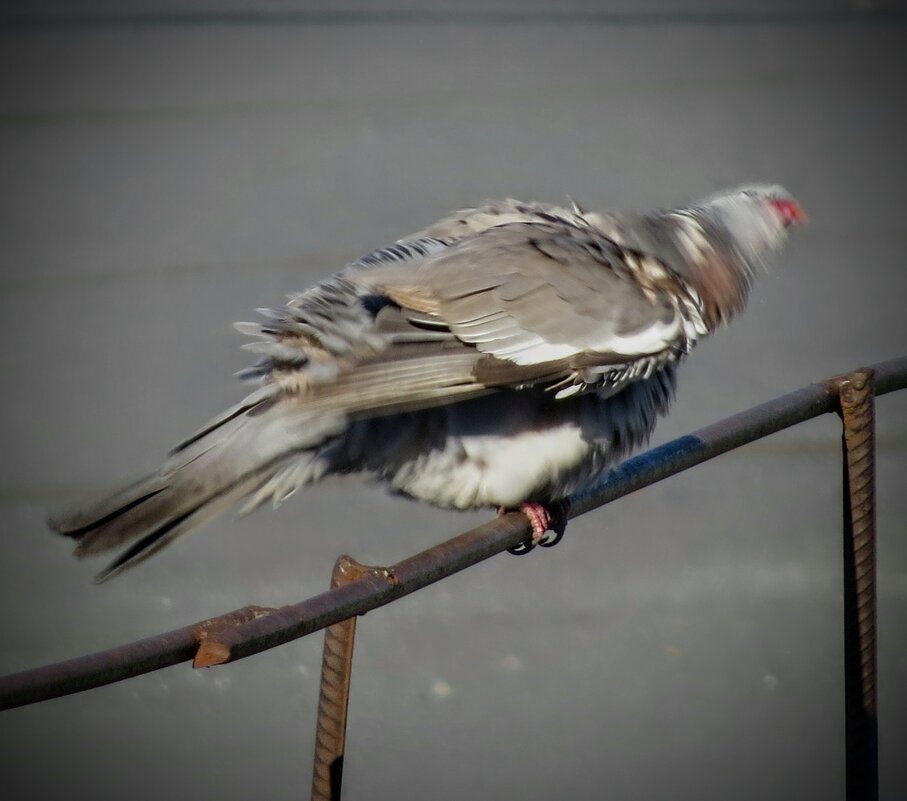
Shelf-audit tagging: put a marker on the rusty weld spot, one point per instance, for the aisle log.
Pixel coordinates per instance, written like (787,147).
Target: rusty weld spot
(211,650)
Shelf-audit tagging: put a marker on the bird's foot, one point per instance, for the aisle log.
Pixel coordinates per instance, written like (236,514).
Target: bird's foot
(548,525)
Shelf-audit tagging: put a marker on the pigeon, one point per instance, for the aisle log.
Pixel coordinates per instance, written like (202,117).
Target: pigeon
(505,357)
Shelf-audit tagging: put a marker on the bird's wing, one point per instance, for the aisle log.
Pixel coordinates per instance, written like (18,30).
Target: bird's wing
(516,304)
(547,297)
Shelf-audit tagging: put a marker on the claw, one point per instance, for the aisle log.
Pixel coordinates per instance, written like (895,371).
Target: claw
(543,521)
(539,518)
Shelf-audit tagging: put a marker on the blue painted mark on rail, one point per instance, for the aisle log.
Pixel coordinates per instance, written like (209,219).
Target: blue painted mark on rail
(657,460)
(644,469)
(669,452)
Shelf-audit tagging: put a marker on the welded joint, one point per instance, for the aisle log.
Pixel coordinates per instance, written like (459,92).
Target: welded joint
(212,650)
(850,387)
(347,569)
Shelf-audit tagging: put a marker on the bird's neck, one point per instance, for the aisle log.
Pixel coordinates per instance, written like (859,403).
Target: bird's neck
(698,252)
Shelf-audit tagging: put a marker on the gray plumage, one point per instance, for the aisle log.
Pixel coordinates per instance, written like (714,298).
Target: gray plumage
(508,353)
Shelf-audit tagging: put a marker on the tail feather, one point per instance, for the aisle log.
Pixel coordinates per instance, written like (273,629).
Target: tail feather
(173,527)
(78,522)
(255,401)
(265,447)
(234,459)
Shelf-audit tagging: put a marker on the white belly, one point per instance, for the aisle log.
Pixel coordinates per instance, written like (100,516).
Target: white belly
(503,449)
(478,470)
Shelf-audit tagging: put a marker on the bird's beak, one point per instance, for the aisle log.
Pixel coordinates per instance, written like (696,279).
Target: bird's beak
(791,212)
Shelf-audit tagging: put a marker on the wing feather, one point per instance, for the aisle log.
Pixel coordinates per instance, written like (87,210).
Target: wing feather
(533,293)
(509,305)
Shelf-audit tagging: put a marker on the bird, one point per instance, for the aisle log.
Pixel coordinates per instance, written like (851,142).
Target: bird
(504,357)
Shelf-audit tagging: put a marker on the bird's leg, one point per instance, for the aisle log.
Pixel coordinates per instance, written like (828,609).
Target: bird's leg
(543,519)
(538,517)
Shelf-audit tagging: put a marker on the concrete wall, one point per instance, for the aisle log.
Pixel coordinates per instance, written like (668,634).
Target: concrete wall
(161,177)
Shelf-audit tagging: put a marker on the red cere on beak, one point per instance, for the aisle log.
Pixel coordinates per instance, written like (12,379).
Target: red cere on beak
(790,212)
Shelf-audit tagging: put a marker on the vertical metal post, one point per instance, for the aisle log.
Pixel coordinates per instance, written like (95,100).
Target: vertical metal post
(856,393)
(334,696)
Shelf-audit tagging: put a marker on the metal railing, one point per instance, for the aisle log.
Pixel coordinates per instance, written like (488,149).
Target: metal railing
(356,589)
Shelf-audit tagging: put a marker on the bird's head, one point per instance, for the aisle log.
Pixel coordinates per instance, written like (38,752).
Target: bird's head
(755,216)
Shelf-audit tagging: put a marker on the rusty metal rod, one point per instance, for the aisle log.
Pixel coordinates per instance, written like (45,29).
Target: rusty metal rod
(860,722)
(235,641)
(334,694)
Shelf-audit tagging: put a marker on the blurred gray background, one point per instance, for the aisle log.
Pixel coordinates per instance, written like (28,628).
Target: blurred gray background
(165,168)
